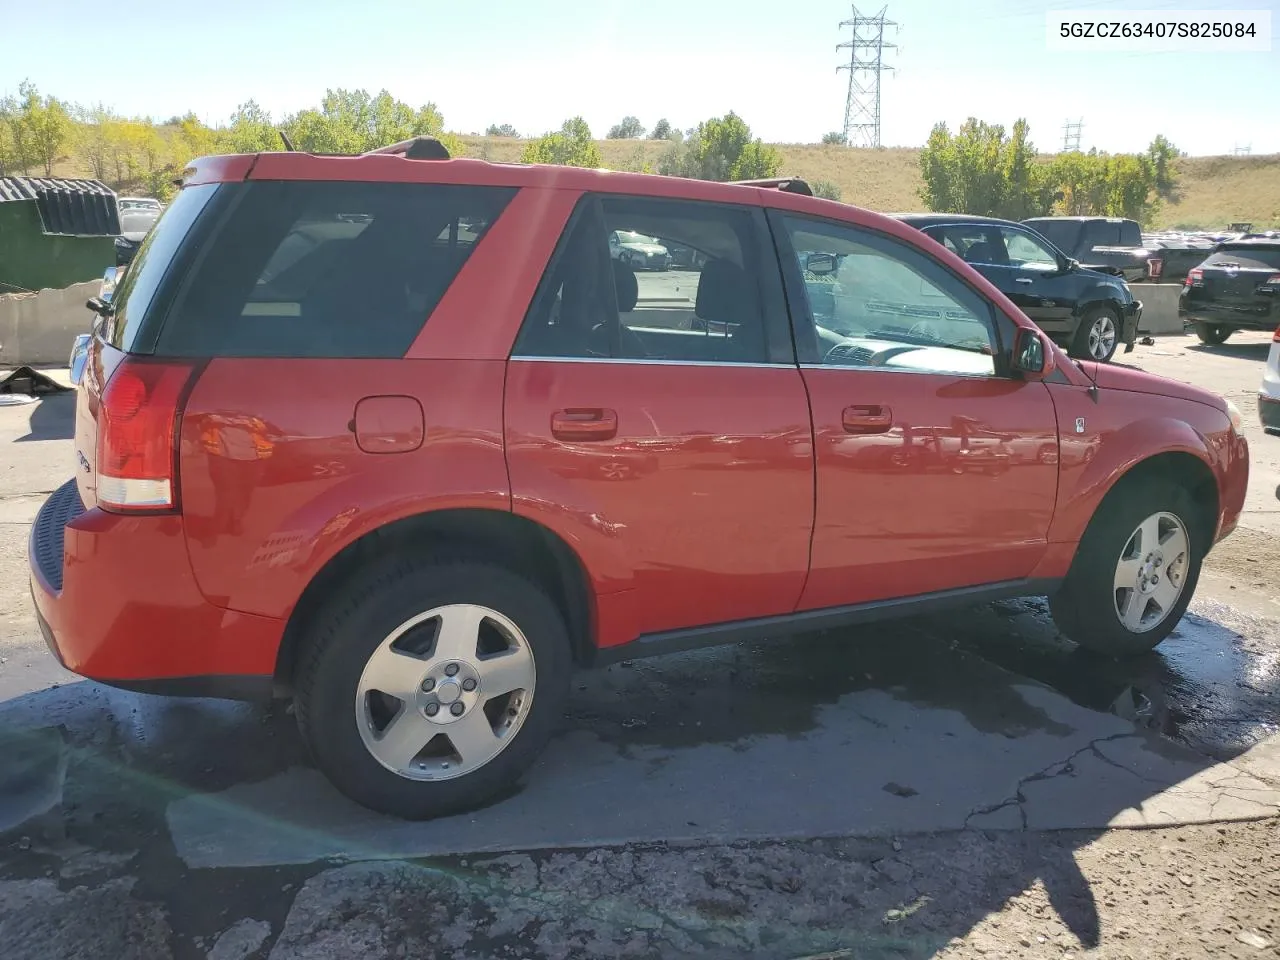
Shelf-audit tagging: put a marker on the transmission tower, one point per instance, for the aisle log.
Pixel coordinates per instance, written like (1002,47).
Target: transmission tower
(866,63)
(1071,136)
(1242,151)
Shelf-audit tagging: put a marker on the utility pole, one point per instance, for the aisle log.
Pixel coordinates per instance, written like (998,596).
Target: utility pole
(1071,136)
(866,63)
(1242,151)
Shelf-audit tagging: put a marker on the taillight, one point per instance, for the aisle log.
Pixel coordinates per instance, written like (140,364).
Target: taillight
(137,423)
(1275,337)
(1195,276)
(1154,268)
(1273,280)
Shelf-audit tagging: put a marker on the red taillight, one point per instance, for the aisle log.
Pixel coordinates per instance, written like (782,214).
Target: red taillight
(137,420)
(1275,337)
(1155,266)
(1194,275)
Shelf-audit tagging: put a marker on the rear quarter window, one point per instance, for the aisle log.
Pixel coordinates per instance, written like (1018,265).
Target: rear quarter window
(326,269)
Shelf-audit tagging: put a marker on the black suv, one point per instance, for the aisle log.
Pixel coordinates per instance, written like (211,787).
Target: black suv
(1088,312)
(1236,288)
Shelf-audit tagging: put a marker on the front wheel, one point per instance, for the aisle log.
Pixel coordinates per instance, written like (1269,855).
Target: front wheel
(1135,571)
(1097,336)
(1212,333)
(432,685)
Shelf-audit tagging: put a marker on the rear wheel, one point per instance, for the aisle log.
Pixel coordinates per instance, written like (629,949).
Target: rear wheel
(431,686)
(1097,336)
(1134,572)
(1212,333)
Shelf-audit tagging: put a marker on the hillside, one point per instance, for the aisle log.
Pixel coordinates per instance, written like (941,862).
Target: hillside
(1212,191)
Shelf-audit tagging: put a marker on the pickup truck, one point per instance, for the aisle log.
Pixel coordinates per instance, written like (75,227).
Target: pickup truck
(1106,244)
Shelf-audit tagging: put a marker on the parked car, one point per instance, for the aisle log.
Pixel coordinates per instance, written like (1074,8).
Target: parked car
(1269,395)
(1088,312)
(360,472)
(1105,244)
(1236,288)
(639,251)
(137,216)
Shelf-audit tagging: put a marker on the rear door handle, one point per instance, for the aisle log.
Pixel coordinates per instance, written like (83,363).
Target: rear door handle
(868,418)
(584,423)
(1023,280)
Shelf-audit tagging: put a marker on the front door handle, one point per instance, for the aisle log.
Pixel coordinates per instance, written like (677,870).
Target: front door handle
(576,424)
(1023,280)
(868,418)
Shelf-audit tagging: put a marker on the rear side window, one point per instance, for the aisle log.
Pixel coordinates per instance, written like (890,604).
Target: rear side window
(326,269)
(1101,233)
(1247,257)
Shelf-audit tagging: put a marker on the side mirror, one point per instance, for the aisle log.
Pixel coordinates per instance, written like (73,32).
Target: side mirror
(109,278)
(79,354)
(1032,357)
(99,306)
(820,264)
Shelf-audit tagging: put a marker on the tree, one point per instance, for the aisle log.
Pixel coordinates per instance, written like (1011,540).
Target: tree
(826,190)
(570,146)
(505,130)
(1163,157)
(721,149)
(353,121)
(982,171)
(251,131)
(12,158)
(834,139)
(45,127)
(661,130)
(629,129)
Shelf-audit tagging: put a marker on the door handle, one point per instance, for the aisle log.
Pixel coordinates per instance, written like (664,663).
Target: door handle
(1023,280)
(869,418)
(584,423)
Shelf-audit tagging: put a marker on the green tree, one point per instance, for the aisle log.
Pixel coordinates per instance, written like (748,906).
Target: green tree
(826,189)
(661,130)
(834,139)
(11,154)
(251,131)
(570,146)
(91,139)
(353,121)
(1163,157)
(982,171)
(629,129)
(45,127)
(503,130)
(721,149)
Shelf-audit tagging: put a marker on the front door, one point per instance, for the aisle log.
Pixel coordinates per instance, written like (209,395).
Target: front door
(659,423)
(935,469)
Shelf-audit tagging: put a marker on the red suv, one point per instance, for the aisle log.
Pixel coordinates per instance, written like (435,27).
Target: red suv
(395,435)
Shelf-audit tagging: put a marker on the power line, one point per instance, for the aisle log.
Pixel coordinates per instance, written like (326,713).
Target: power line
(1071,135)
(866,62)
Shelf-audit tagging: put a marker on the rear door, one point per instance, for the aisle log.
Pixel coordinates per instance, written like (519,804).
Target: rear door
(936,470)
(659,422)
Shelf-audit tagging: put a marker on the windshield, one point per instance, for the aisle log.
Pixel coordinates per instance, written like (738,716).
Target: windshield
(142,279)
(626,236)
(1247,256)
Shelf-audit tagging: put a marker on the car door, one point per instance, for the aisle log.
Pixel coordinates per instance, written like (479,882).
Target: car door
(1050,290)
(678,461)
(936,468)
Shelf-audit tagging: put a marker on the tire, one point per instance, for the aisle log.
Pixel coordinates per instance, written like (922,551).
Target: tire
(1097,336)
(1212,334)
(1088,607)
(344,718)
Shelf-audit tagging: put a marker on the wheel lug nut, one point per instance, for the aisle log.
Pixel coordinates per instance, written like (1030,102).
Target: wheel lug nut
(451,669)
(428,685)
(433,709)
(1155,580)
(468,684)
(457,709)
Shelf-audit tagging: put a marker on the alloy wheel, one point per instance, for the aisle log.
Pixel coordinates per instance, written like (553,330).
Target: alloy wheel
(1151,572)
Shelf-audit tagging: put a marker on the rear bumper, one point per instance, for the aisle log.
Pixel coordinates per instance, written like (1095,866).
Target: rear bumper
(1239,319)
(117,602)
(1269,412)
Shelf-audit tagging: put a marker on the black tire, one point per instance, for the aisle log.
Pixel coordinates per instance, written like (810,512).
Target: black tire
(1080,342)
(1212,334)
(352,627)
(1084,608)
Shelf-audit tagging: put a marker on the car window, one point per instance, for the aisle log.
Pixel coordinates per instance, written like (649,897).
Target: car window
(648,296)
(328,269)
(1246,256)
(1025,250)
(877,302)
(1101,233)
(973,243)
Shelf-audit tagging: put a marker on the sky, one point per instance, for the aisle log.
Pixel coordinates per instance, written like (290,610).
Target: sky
(535,62)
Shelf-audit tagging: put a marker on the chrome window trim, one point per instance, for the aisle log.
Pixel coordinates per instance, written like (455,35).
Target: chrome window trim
(656,363)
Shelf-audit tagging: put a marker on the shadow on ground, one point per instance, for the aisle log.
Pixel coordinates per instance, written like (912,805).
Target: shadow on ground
(681,810)
(52,418)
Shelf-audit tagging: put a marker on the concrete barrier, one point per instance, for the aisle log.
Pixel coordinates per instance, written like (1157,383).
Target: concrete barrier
(38,328)
(1159,307)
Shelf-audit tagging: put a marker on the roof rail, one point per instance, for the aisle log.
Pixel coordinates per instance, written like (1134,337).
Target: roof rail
(415,148)
(785,184)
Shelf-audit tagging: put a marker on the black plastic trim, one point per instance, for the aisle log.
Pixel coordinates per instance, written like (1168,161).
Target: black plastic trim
(249,687)
(767,628)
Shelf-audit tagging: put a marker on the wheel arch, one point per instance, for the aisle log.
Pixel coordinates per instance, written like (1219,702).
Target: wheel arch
(523,545)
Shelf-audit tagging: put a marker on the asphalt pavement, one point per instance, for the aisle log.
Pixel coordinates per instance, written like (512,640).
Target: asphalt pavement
(199,828)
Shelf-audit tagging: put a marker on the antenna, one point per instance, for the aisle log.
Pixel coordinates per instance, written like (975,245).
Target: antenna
(1071,136)
(866,63)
